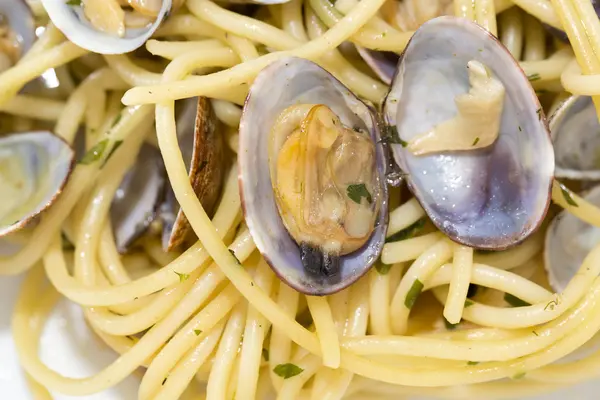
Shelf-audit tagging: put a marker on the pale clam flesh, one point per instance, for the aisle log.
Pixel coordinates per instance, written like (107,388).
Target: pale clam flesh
(306,94)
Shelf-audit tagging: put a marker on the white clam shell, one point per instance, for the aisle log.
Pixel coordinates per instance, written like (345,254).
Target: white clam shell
(71,21)
(47,161)
(21,22)
(576,136)
(284,83)
(568,241)
(491,198)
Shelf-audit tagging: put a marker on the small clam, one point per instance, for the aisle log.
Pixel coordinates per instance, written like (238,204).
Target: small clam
(34,168)
(568,242)
(136,202)
(17,31)
(202,149)
(576,136)
(100,25)
(311,175)
(488,194)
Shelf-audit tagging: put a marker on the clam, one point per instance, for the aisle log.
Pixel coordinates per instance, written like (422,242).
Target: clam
(312,179)
(136,202)
(202,149)
(489,193)
(576,136)
(101,26)
(568,241)
(17,31)
(144,195)
(34,167)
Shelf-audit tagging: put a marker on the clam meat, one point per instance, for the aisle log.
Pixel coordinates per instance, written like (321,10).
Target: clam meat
(34,167)
(312,178)
(109,26)
(485,177)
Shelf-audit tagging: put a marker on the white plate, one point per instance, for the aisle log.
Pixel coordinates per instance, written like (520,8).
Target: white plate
(68,346)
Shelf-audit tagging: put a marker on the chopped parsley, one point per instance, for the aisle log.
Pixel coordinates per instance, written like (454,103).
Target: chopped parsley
(472,362)
(515,301)
(357,192)
(468,303)
(117,144)
(382,268)
(234,256)
(413,293)
(408,232)
(539,113)
(551,304)
(475,141)
(182,277)
(74,3)
(535,333)
(450,326)
(197,332)
(287,371)
(534,77)
(265,354)
(164,381)
(520,130)
(520,375)
(116,120)
(95,153)
(567,195)
(392,136)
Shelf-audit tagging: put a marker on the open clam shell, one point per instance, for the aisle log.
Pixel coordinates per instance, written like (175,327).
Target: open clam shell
(34,167)
(70,19)
(383,63)
(136,202)
(488,198)
(17,17)
(576,136)
(287,82)
(202,149)
(568,241)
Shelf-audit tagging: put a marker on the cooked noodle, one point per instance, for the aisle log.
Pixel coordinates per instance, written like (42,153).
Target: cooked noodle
(226,328)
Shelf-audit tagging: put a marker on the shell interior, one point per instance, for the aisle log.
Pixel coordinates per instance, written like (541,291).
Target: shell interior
(576,135)
(138,197)
(568,241)
(21,22)
(287,82)
(34,167)
(72,22)
(490,198)
(383,63)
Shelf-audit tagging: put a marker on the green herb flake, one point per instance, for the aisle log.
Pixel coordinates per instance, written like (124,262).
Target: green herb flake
(116,120)
(520,130)
(382,268)
(234,256)
(515,301)
(550,306)
(413,293)
(567,195)
(475,141)
(74,3)
(265,354)
(539,113)
(534,77)
(357,192)
(164,381)
(535,333)
(95,153)
(392,136)
(287,371)
(468,303)
(520,375)
(197,332)
(472,362)
(409,232)
(117,144)
(182,277)
(449,326)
